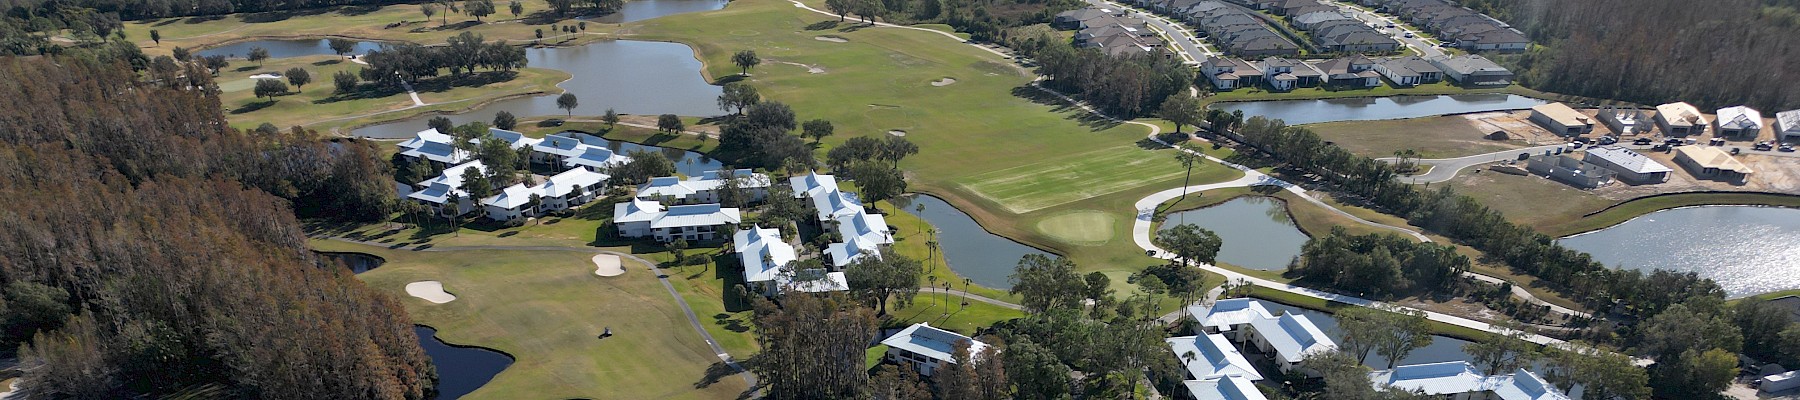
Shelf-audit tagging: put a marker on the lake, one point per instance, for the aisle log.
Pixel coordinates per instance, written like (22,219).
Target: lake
(1297,112)
(982,257)
(631,77)
(357,262)
(460,370)
(638,10)
(1255,232)
(284,48)
(1747,250)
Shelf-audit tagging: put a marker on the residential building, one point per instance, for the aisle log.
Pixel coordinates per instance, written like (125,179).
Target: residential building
(1278,73)
(1625,121)
(575,150)
(1227,73)
(704,188)
(560,192)
(1459,380)
(812,184)
(594,158)
(1308,21)
(1409,71)
(1779,382)
(434,147)
(1211,357)
(1072,19)
(1680,119)
(862,234)
(1292,337)
(1737,121)
(836,203)
(1351,71)
(926,348)
(438,192)
(1569,170)
(1228,388)
(1561,120)
(764,256)
(1707,162)
(1365,40)
(1472,70)
(640,218)
(1228,317)
(1787,125)
(1629,166)
(1495,39)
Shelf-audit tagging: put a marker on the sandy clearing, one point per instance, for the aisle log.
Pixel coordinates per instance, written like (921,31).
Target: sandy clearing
(607,265)
(833,39)
(947,81)
(432,291)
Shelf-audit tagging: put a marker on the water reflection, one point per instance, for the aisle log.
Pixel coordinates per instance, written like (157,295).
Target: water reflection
(1297,112)
(1747,250)
(285,48)
(985,258)
(1256,232)
(460,370)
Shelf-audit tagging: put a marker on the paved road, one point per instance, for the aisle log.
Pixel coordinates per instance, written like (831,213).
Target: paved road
(1188,46)
(1443,169)
(1425,47)
(749,378)
(972,296)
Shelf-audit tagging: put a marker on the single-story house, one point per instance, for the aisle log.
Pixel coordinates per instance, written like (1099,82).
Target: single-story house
(1292,337)
(1569,170)
(1211,357)
(1561,120)
(1409,71)
(1779,382)
(926,348)
(560,192)
(1680,119)
(1500,39)
(1459,380)
(1630,166)
(1227,316)
(1625,121)
(640,218)
(1737,121)
(704,188)
(1072,19)
(1787,125)
(1351,71)
(1309,20)
(1228,388)
(1472,70)
(1707,162)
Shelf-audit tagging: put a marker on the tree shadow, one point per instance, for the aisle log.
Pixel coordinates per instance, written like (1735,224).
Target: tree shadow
(363,91)
(254,106)
(822,25)
(728,79)
(247,68)
(445,83)
(274,16)
(352,11)
(328,62)
(449,27)
(853,27)
(715,372)
(203,19)
(166,22)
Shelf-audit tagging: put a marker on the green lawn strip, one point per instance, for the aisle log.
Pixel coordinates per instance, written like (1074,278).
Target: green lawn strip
(946,311)
(1772,295)
(1331,307)
(546,309)
(873,355)
(318,107)
(400,22)
(1624,211)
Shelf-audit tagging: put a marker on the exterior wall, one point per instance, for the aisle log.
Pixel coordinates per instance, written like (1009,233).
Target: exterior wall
(634,229)
(1669,130)
(924,365)
(1559,128)
(1708,173)
(691,233)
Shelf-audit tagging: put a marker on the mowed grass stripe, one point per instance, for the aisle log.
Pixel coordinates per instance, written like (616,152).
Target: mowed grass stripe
(1068,179)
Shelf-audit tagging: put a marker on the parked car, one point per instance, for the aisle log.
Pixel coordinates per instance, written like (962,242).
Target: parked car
(1764,146)
(1660,147)
(1409,35)
(1787,148)
(1605,140)
(1642,141)
(1734,151)
(1390,25)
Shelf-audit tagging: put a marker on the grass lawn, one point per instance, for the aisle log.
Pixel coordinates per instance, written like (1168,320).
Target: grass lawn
(316,106)
(1432,137)
(399,22)
(1530,200)
(1074,177)
(1080,226)
(545,309)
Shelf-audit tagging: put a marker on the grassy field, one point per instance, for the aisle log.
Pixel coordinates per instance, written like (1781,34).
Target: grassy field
(317,106)
(1079,226)
(1073,177)
(395,23)
(545,309)
(1432,137)
(1529,200)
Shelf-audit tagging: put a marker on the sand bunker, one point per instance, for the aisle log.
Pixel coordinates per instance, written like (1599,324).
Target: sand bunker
(607,265)
(897,132)
(947,81)
(833,39)
(432,291)
(266,76)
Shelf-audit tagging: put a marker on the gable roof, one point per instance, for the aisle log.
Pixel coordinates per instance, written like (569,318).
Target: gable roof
(762,253)
(1293,336)
(1712,157)
(1681,114)
(812,184)
(1524,385)
(1212,357)
(835,203)
(636,210)
(1626,159)
(695,215)
(931,342)
(1229,388)
(1562,114)
(1433,379)
(1789,121)
(1739,117)
(1227,313)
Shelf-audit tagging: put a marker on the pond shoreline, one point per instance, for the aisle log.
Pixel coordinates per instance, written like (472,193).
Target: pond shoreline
(1774,200)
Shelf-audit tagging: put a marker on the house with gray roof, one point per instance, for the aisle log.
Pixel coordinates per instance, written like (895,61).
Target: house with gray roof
(1472,70)
(1737,121)
(926,348)
(1567,169)
(1496,39)
(1227,73)
(1308,21)
(1409,71)
(1211,357)
(1072,19)
(1628,166)
(1351,71)
(1787,125)
(643,218)
(1290,338)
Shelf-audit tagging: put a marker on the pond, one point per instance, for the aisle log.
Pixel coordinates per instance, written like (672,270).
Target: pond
(1441,349)
(460,370)
(638,10)
(631,77)
(982,257)
(285,48)
(357,262)
(1255,232)
(1297,112)
(1746,249)
(686,162)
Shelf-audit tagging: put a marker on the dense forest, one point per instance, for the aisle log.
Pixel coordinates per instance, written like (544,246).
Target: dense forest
(1715,53)
(148,249)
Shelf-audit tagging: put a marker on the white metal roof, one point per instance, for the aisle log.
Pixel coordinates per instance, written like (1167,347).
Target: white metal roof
(872,228)
(850,250)
(695,215)
(1212,357)
(1434,379)
(1627,159)
(1789,121)
(1229,388)
(512,196)
(933,343)
(1524,385)
(453,176)
(1227,314)
(812,184)
(835,203)
(666,186)
(762,253)
(565,182)
(636,210)
(436,193)
(1739,117)
(1293,336)
(436,151)
(595,157)
(815,281)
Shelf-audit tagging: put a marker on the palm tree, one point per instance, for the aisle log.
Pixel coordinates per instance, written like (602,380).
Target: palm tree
(1188,158)
(455,204)
(965,293)
(932,279)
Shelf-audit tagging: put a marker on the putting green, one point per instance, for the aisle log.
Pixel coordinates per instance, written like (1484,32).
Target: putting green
(1085,227)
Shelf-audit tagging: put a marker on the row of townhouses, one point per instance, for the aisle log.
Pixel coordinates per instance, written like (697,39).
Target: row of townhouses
(766,257)
(1216,368)
(1235,29)
(1454,25)
(579,180)
(1354,71)
(1109,30)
